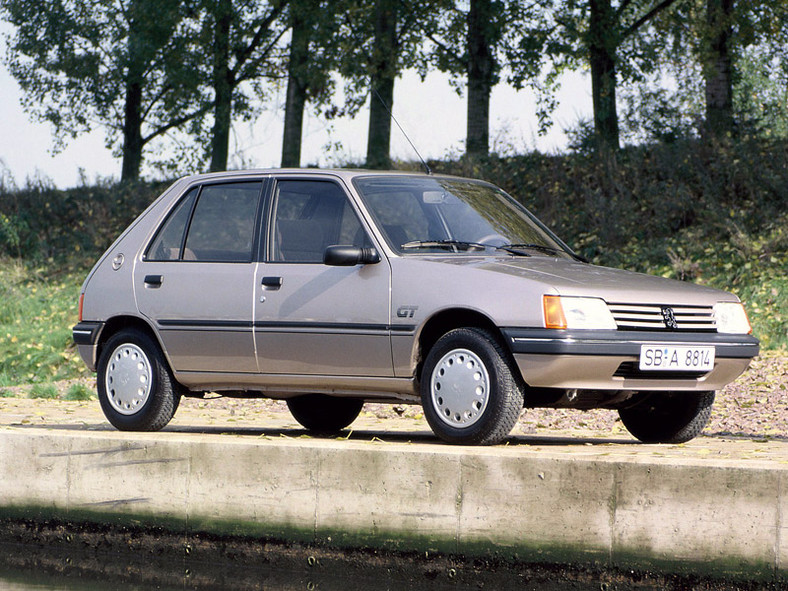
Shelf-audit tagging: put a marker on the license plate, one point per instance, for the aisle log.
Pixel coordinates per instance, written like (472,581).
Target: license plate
(676,358)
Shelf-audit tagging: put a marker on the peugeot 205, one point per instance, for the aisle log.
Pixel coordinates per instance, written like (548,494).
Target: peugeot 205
(329,289)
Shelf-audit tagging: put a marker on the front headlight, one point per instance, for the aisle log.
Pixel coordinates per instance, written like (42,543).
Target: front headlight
(577,312)
(731,318)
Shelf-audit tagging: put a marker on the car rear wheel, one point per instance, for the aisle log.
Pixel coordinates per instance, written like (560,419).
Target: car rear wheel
(469,390)
(135,385)
(668,417)
(324,414)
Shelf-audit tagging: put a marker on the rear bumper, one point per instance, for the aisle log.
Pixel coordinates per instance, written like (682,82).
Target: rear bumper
(608,359)
(86,336)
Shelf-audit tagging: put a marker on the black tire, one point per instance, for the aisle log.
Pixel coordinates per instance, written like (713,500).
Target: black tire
(469,388)
(136,388)
(668,417)
(324,414)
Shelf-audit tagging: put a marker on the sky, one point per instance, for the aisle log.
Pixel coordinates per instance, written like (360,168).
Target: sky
(430,112)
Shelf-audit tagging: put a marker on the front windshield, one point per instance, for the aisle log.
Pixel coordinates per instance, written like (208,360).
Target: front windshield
(429,214)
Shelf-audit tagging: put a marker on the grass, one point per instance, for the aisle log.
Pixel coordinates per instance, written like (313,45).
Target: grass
(37,310)
(45,391)
(755,269)
(713,214)
(79,392)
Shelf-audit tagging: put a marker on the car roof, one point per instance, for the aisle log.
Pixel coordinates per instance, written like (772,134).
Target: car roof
(344,173)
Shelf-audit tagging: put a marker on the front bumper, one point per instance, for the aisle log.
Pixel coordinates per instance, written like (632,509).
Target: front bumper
(608,359)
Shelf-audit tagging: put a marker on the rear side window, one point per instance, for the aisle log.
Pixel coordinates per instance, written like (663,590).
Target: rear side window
(167,244)
(213,224)
(222,226)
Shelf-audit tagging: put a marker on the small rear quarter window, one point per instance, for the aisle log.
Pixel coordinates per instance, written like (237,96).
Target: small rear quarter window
(167,244)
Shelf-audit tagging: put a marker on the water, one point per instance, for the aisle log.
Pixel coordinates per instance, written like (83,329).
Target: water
(68,560)
(74,577)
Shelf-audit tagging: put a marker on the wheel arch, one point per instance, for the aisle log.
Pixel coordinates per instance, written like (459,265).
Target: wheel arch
(449,319)
(118,323)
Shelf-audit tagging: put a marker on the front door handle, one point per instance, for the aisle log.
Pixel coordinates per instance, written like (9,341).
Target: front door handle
(272,283)
(153,280)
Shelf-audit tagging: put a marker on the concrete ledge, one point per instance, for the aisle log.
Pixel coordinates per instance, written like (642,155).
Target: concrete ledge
(719,517)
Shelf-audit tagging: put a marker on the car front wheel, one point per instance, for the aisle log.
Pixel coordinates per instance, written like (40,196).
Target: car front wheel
(668,417)
(135,386)
(469,390)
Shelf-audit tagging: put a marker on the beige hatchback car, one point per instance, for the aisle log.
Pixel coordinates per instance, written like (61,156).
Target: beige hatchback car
(332,288)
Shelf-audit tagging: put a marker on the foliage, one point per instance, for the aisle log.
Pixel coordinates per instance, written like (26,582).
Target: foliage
(610,38)
(241,42)
(759,71)
(43,224)
(38,307)
(760,96)
(45,391)
(313,57)
(79,392)
(360,58)
(109,63)
(143,68)
(714,214)
(377,40)
(178,74)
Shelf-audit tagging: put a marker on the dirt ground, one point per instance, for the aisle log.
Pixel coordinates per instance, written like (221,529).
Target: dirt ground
(755,406)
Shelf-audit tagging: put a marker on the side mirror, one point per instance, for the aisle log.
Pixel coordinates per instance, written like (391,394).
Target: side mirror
(348,256)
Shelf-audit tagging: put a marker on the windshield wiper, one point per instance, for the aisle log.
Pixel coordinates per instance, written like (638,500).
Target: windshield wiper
(454,245)
(457,245)
(540,247)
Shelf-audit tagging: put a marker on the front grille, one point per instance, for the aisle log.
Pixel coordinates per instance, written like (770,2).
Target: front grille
(630,370)
(650,317)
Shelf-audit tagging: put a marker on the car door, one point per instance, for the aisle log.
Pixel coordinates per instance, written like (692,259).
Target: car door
(196,280)
(313,318)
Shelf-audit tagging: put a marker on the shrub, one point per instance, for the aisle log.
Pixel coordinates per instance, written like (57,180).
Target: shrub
(45,391)
(79,392)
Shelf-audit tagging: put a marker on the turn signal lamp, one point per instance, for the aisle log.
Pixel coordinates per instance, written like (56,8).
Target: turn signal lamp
(553,312)
(562,312)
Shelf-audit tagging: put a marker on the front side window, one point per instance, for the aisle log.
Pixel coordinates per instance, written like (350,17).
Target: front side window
(310,216)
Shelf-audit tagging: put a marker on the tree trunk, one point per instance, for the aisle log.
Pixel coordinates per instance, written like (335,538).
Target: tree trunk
(602,57)
(384,70)
(222,87)
(296,90)
(132,114)
(480,79)
(132,133)
(717,70)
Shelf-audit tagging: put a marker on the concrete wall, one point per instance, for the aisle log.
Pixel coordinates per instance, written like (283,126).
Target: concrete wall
(675,516)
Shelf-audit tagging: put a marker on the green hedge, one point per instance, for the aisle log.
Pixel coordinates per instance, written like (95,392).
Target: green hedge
(40,223)
(711,213)
(626,208)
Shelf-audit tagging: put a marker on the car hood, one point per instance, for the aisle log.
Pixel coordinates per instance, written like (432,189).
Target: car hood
(568,277)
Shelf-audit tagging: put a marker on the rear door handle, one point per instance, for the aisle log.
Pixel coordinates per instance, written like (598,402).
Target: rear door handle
(272,283)
(153,280)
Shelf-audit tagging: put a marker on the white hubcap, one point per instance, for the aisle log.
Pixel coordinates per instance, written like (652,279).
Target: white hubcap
(128,379)
(460,387)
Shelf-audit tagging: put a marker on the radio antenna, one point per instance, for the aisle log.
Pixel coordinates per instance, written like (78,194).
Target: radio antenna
(394,119)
